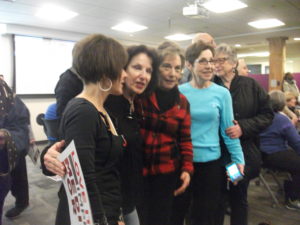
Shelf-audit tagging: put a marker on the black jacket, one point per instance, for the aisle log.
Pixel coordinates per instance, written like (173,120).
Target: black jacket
(131,166)
(253,112)
(68,86)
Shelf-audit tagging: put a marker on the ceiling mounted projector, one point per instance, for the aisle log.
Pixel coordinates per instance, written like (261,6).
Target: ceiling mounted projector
(195,11)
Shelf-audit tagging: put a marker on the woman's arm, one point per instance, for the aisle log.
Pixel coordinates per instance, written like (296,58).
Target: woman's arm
(184,140)
(186,149)
(226,121)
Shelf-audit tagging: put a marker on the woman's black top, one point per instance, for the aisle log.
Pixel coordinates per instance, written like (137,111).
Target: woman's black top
(131,164)
(99,153)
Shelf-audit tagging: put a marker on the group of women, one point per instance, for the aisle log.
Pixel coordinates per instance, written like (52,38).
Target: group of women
(140,143)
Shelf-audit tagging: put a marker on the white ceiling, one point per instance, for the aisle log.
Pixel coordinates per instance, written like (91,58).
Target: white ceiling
(163,17)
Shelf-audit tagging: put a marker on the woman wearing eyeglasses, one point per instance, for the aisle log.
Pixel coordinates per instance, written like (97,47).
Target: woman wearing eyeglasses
(252,114)
(211,112)
(165,128)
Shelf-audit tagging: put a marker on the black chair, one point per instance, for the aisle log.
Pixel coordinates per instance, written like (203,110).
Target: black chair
(50,127)
(274,173)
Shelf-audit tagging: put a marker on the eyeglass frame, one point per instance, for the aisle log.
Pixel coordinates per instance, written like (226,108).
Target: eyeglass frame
(221,60)
(204,62)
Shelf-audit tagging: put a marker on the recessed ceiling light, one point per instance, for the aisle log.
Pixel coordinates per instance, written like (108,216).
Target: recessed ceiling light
(179,37)
(237,45)
(3,28)
(221,6)
(297,38)
(253,54)
(267,23)
(129,27)
(55,13)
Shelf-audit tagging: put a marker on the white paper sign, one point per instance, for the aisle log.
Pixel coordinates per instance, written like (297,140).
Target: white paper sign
(74,184)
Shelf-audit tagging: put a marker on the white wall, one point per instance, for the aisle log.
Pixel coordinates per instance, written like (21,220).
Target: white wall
(291,65)
(6,58)
(35,105)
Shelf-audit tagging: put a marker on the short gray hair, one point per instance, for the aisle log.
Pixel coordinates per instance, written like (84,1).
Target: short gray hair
(277,100)
(226,49)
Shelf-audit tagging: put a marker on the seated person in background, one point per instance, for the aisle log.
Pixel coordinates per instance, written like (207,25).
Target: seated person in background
(50,122)
(274,143)
(291,102)
(289,84)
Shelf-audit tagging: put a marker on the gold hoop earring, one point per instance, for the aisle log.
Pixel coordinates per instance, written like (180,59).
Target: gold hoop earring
(105,89)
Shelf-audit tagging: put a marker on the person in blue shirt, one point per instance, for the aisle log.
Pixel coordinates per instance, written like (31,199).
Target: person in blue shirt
(280,144)
(211,112)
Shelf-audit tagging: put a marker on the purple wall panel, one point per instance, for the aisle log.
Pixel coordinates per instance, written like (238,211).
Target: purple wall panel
(262,79)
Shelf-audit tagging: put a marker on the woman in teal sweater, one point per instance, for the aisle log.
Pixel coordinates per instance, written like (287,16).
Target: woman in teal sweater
(211,112)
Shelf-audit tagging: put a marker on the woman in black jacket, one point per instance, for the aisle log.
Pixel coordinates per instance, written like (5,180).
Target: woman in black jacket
(252,114)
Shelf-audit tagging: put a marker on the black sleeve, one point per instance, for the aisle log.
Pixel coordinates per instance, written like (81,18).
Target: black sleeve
(82,125)
(68,86)
(44,169)
(264,116)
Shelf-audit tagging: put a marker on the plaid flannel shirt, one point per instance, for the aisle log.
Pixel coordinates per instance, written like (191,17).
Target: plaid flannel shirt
(167,138)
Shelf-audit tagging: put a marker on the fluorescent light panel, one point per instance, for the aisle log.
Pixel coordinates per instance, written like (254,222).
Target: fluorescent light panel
(129,27)
(237,45)
(55,13)
(3,28)
(179,37)
(297,39)
(222,6)
(253,54)
(266,23)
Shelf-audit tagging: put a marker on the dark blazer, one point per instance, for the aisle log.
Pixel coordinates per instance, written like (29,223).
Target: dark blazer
(252,110)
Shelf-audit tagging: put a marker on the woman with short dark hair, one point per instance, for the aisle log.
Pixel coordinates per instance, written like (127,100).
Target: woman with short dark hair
(141,79)
(99,61)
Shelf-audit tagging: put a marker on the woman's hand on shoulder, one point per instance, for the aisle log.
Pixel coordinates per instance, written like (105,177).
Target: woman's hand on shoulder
(51,159)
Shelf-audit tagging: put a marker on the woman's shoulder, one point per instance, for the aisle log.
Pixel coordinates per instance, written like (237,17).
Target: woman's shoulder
(80,106)
(220,89)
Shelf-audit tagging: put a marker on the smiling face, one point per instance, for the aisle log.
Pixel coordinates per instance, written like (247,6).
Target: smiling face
(169,72)
(203,66)
(223,65)
(139,71)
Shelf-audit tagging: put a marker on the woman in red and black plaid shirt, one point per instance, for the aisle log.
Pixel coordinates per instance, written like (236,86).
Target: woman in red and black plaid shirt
(165,128)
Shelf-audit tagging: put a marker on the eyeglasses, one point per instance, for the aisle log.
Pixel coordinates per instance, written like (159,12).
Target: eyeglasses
(220,60)
(205,62)
(168,67)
